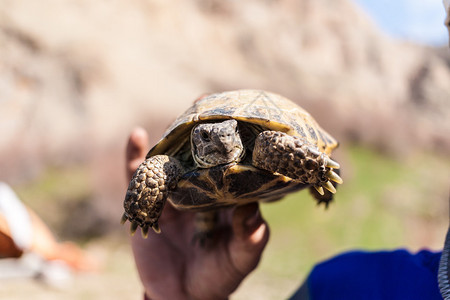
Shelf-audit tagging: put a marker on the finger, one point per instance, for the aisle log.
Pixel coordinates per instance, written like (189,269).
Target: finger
(250,236)
(136,150)
(248,224)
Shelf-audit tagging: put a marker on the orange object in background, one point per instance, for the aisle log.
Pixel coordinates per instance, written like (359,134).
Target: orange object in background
(7,246)
(23,235)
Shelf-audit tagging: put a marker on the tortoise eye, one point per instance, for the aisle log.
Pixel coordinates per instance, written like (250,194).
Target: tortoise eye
(205,136)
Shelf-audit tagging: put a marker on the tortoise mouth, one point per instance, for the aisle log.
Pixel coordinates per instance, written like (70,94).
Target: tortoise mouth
(217,158)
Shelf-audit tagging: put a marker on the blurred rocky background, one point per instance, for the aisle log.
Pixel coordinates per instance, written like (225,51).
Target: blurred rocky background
(76,76)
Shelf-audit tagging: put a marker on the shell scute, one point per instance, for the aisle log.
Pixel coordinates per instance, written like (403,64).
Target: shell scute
(262,108)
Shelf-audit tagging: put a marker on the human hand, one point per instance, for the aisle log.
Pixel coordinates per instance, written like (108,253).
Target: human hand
(172,267)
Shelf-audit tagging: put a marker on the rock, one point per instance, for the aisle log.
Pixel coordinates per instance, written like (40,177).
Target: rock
(76,76)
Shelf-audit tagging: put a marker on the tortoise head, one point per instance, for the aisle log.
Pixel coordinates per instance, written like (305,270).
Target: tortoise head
(216,143)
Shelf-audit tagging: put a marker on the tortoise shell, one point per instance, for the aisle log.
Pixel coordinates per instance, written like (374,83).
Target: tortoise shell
(232,184)
(268,110)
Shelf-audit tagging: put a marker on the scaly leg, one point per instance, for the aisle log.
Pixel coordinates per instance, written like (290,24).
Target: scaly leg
(296,158)
(148,191)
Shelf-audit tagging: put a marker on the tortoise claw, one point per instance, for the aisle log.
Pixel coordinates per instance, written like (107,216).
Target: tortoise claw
(319,189)
(133,227)
(144,231)
(329,187)
(156,228)
(334,177)
(331,163)
(123,219)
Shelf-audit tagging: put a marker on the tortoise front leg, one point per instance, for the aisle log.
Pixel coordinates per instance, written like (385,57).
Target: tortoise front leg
(148,192)
(324,196)
(296,158)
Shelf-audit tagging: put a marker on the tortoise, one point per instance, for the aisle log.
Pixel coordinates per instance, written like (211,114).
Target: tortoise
(230,149)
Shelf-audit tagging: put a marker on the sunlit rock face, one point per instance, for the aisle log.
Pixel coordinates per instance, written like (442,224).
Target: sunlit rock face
(76,76)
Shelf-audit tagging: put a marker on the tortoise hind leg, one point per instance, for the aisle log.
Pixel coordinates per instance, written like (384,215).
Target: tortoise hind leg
(205,225)
(148,192)
(296,158)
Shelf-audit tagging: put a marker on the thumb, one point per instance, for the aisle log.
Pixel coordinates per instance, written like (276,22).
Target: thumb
(136,150)
(250,236)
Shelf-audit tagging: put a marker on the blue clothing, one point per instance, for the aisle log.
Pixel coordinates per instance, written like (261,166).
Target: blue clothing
(374,275)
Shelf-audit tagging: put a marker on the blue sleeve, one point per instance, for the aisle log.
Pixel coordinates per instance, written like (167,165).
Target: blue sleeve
(374,275)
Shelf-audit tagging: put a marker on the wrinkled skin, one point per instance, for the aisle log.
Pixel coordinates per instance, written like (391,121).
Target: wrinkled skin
(214,144)
(172,267)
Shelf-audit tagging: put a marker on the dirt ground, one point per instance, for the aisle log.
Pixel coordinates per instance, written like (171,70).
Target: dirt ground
(119,280)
